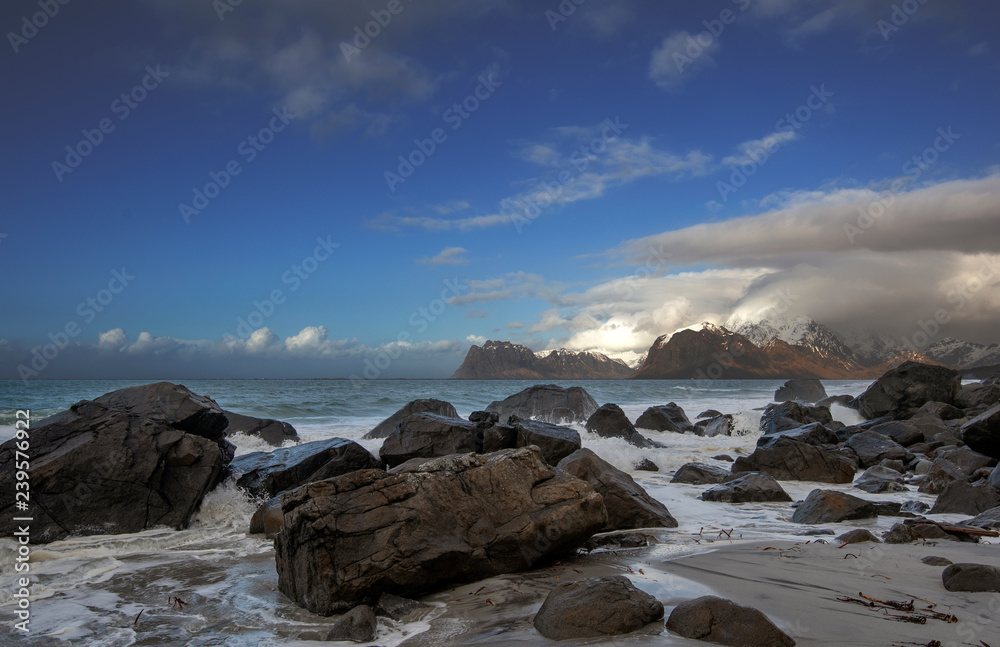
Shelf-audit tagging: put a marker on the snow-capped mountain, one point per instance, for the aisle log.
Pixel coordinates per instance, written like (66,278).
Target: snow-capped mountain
(797,330)
(963,354)
(870,346)
(500,360)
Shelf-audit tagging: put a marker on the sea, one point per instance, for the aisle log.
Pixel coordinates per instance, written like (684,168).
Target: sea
(213,584)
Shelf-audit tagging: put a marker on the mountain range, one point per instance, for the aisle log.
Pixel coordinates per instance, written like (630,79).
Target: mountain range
(742,348)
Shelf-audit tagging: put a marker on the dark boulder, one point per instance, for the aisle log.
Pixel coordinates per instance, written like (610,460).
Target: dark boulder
(665,417)
(974,578)
(548,403)
(556,442)
(596,607)
(646,465)
(357,625)
(872,448)
(347,540)
(962,497)
(428,435)
(709,413)
(830,506)
(812,434)
(859,536)
(628,505)
(988,520)
(699,474)
(941,474)
(800,390)
(497,437)
(967,460)
(265,474)
(982,433)
(398,608)
(878,479)
(790,415)
(994,479)
(979,396)
(716,620)
(267,519)
(272,432)
(426,405)
(908,387)
(755,487)
(721,425)
(172,404)
(792,460)
(904,432)
(609,421)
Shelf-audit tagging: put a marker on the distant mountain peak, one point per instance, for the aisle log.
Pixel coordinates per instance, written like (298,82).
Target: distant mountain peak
(505,360)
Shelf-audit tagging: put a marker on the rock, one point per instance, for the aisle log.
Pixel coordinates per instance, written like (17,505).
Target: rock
(812,434)
(982,433)
(594,607)
(918,507)
(628,505)
(267,519)
(939,411)
(931,560)
(619,540)
(273,432)
(756,487)
(357,625)
(721,425)
(909,386)
(791,460)
(497,437)
(609,421)
(967,460)
(859,536)
(961,497)
(904,432)
(994,479)
(426,405)
(646,465)
(548,403)
(556,442)
(699,474)
(96,470)
(484,417)
(845,401)
(830,506)
(791,415)
(872,448)
(976,396)
(890,509)
(941,474)
(975,578)
(397,608)
(665,417)
(723,457)
(878,479)
(800,390)
(899,534)
(347,540)
(172,404)
(428,435)
(716,620)
(265,474)
(988,520)
(895,465)
(709,413)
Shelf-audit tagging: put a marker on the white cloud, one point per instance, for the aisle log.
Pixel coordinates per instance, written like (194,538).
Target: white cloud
(680,57)
(756,149)
(112,340)
(447,256)
(476,339)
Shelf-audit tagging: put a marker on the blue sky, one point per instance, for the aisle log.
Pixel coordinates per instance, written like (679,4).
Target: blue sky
(641,230)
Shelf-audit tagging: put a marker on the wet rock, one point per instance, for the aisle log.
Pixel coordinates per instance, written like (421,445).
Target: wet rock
(273,432)
(548,403)
(872,448)
(621,539)
(791,460)
(908,387)
(813,434)
(699,474)
(609,421)
(967,460)
(941,474)
(709,413)
(903,432)
(628,505)
(878,479)
(859,536)
(745,488)
(595,607)
(428,435)
(646,465)
(994,478)
(790,415)
(988,520)
(830,506)
(398,608)
(357,625)
(723,457)
(556,442)
(424,405)
(172,404)
(840,400)
(982,433)
(800,390)
(721,621)
(961,497)
(721,425)
(267,519)
(666,417)
(975,578)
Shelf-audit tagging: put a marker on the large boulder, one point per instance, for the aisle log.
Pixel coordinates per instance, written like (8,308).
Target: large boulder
(755,487)
(428,435)
(265,474)
(628,505)
(982,433)
(872,448)
(988,520)
(791,460)
(967,460)
(994,479)
(357,625)
(699,474)
(975,578)
(272,432)
(461,518)
(267,519)
(721,621)
(720,425)
(171,404)
(980,395)
(801,390)
(665,417)
(790,415)
(830,506)
(879,479)
(908,387)
(609,421)
(556,442)
(813,434)
(595,607)
(97,470)
(426,405)
(548,403)
(942,473)
(904,432)
(962,497)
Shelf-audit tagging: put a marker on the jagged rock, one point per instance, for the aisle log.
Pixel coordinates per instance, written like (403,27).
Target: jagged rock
(665,417)
(904,432)
(909,386)
(899,534)
(872,448)
(939,410)
(830,506)
(628,505)
(357,625)
(721,425)
(484,417)
(349,539)
(428,435)
(273,432)
(967,460)
(699,474)
(609,421)
(646,465)
(267,519)
(97,470)
(709,413)
(265,474)
(791,415)
(961,497)
(791,460)
(172,404)
(548,403)
(878,479)
(975,578)
(812,434)
(941,474)
(398,608)
(859,536)
(425,405)
(982,433)
(800,390)
(502,360)
(988,520)
(716,620)
(556,442)
(976,396)
(595,607)
(891,509)
(756,487)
